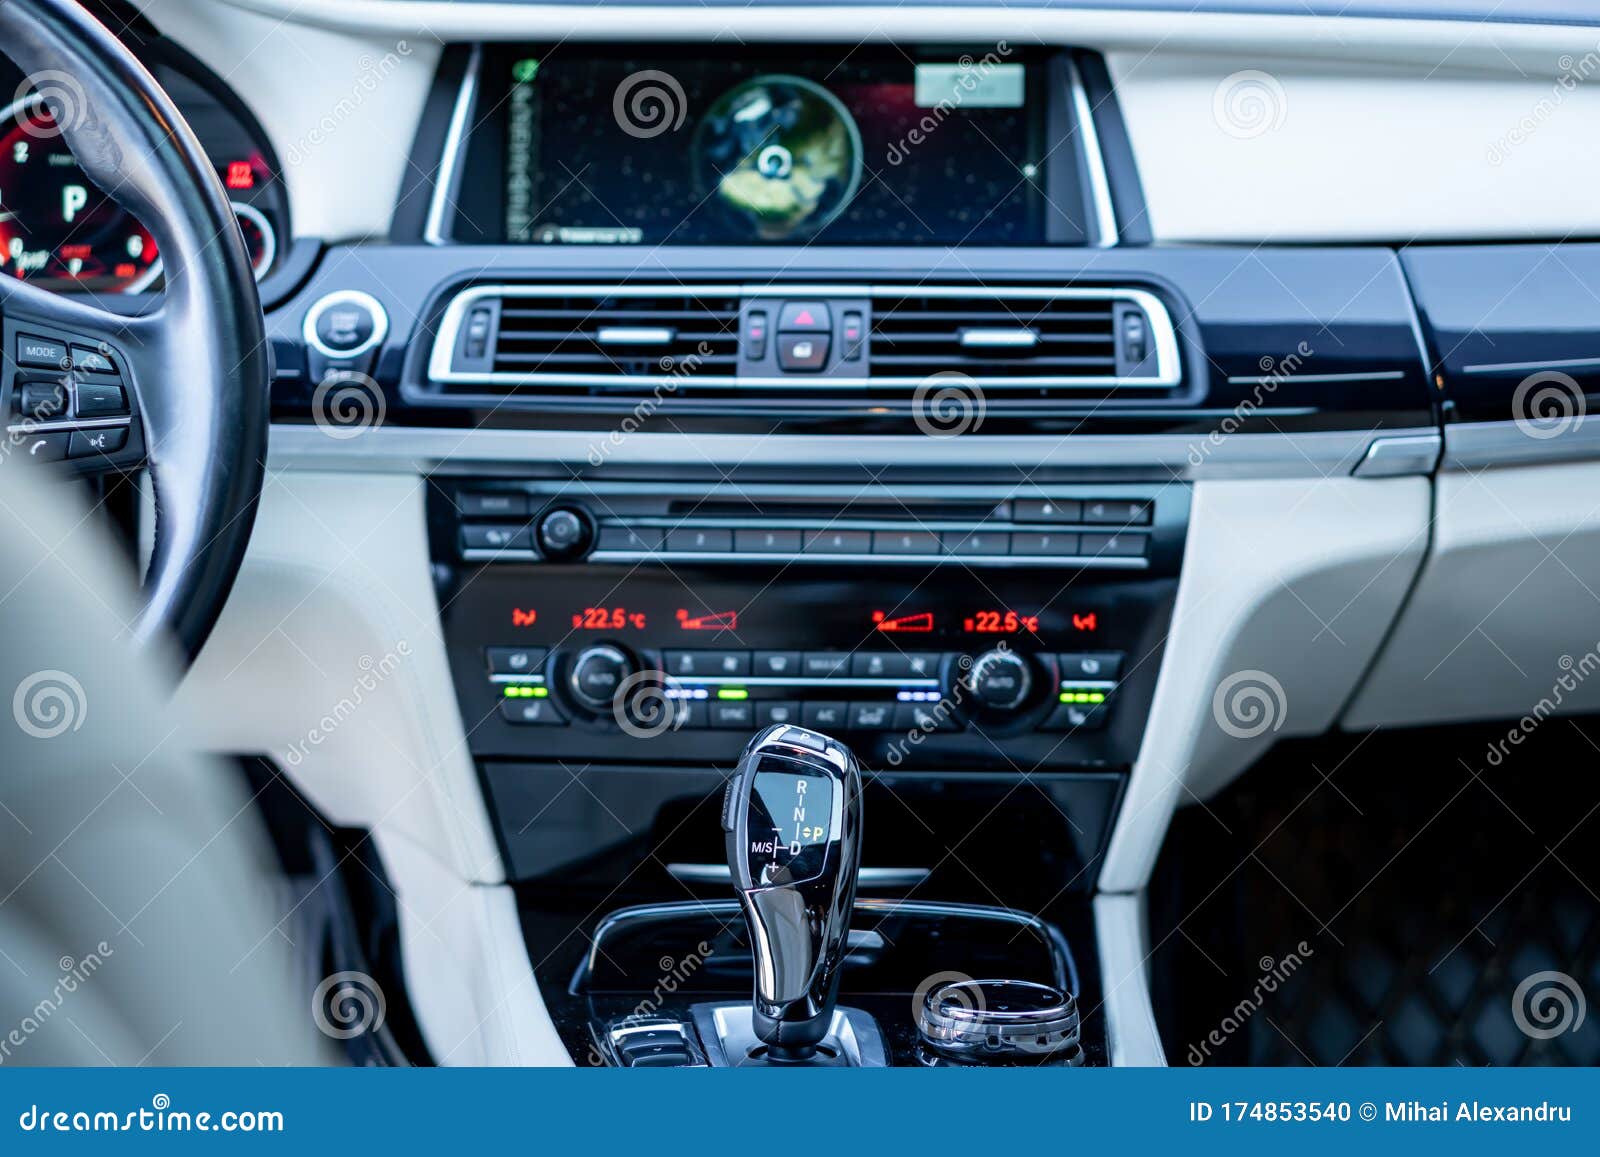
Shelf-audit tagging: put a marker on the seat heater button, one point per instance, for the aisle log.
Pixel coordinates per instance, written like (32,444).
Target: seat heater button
(515,660)
(531,712)
(1090,665)
(871,716)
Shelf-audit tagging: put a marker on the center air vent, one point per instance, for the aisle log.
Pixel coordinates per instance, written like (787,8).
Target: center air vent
(804,344)
(572,337)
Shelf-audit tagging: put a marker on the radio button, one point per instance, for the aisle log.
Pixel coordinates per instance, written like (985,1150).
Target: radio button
(708,539)
(1117,512)
(491,504)
(976,542)
(771,711)
(871,716)
(515,660)
(706,664)
(766,541)
(532,713)
(731,714)
(777,664)
(905,542)
(1090,665)
(838,542)
(826,664)
(1042,542)
(1115,545)
(629,538)
(1047,510)
(825,716)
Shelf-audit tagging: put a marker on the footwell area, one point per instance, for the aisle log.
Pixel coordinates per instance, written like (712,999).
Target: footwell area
(1425,897)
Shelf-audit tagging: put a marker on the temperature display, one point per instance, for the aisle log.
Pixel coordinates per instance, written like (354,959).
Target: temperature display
(1000,623)
(788,826)
(608,619)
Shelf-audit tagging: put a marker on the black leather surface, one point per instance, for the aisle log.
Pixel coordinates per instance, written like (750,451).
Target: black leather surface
(200,362)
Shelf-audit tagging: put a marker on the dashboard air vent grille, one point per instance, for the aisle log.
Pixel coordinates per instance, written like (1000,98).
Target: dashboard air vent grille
(994,337)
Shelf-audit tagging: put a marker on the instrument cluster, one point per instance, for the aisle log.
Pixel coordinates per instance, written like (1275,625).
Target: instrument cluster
(58,229)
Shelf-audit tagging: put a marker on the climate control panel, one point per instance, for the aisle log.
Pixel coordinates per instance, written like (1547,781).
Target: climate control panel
(1042,665)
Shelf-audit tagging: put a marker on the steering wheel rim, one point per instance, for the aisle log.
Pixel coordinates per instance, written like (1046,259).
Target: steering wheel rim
(198,365)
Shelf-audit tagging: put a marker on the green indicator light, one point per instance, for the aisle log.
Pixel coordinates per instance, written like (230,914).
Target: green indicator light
(732,693)
(523,71)
(538,692)
(1097,697)
(523,691)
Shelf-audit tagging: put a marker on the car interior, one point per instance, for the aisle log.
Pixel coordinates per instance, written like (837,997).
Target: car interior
(648,535)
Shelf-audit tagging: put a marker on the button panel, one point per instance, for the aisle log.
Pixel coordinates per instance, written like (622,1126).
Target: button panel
(64,397)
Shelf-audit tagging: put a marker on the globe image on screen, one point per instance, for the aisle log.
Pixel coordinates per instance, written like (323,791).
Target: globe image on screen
(779,154)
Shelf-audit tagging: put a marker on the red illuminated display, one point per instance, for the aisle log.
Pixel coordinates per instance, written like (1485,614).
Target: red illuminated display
(918,624)
(716,621)
(240,175)
(607,619)
(523,618)
(1087,622)
(1000,623)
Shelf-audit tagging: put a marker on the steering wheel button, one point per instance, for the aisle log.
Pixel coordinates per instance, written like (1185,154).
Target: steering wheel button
(92,361)
(41,351)
(99,399)
(88,443)
(45,447)
(42,401)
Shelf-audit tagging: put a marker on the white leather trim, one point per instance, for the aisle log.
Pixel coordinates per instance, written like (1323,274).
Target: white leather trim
(1506,609)
(336,592)
(1120,923)
(468,974)
(1296,580)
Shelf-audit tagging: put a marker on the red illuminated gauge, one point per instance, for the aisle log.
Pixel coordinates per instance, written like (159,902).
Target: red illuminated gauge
(1004,622)
(57,228)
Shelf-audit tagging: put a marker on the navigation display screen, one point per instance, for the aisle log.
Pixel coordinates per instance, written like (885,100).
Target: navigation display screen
(768,146)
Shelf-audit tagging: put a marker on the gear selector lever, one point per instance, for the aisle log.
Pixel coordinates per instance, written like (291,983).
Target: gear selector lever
(792,814)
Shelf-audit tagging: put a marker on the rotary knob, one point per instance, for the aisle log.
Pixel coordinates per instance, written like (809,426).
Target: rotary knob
(1000,679)
(597,672)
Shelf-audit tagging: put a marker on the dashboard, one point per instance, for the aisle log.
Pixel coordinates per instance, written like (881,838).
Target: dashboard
(60,231)
(541,408)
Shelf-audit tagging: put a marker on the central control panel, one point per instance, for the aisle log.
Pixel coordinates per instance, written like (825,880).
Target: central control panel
(569,657)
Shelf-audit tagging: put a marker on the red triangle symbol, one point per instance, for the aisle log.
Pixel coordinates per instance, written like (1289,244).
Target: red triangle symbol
(805,318)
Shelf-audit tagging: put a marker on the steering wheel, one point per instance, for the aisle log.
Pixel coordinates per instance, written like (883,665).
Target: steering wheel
(184,387)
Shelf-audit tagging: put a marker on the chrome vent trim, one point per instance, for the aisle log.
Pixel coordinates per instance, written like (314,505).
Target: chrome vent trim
(441,371)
